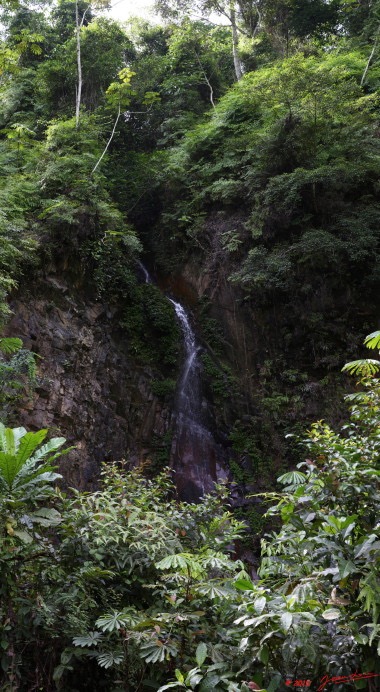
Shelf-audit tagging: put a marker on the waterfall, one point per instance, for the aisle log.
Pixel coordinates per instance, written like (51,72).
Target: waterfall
(145,272)
(189,395)
(196,457)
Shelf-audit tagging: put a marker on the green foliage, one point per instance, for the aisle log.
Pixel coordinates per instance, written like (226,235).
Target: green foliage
(132,572)
(277,190)
(164,388)
(15,251)
(143,586)
(20,459)
(372,340)
(17,375)
(320,567)
(10,345)
(367,366)
(26,477)
(221,381)
(187,65)
(152,328)
(104,50)
(77,209)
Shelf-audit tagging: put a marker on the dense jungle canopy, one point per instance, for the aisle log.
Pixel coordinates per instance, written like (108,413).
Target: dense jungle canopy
(189,253)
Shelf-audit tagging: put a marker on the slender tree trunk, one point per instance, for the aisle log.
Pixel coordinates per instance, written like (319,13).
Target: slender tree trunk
(109,141)
(207,81)
(78,26)
(235,42)
(364,76)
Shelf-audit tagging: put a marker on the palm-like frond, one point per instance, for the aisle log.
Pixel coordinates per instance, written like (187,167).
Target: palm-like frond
(373,340)
(363,367)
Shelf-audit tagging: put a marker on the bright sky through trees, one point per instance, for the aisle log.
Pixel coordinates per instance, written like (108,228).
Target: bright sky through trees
(124,9)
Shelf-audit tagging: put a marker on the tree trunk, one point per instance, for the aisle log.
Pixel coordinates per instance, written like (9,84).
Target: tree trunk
(364,76)
(109,141)
(78,26)
(235,42)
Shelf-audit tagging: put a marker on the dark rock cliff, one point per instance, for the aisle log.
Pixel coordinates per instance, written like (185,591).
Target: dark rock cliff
(90,389)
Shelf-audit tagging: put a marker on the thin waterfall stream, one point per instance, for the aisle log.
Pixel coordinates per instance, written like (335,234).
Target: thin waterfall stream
(188,387)
(196,457)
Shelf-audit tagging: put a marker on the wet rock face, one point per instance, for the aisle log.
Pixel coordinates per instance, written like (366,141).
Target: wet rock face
(90,389)
(198,460)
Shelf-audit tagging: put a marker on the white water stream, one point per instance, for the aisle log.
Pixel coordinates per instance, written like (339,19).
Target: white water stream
(189,394)
(196,457)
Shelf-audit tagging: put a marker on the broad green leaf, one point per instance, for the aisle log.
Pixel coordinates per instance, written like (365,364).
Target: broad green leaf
(201,653)
(50,446)
(361,639)
(331,614)
(346,567)
(179,675)
(193,677)
(46,516)
(24,536)
(8,468)
(28,444)
(286,621)
(215,591)
(209,683)
(259,604)
(181,560)
(264,654)
(3,439)
(243,585)
(257,621)
(367,546)
(11,441)
(153,652)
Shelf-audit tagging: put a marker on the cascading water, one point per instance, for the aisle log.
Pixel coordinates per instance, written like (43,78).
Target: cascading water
(188,387)
(196,457)
(145,272)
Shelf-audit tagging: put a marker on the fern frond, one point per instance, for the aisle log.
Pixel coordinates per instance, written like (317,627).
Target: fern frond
(9,345)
